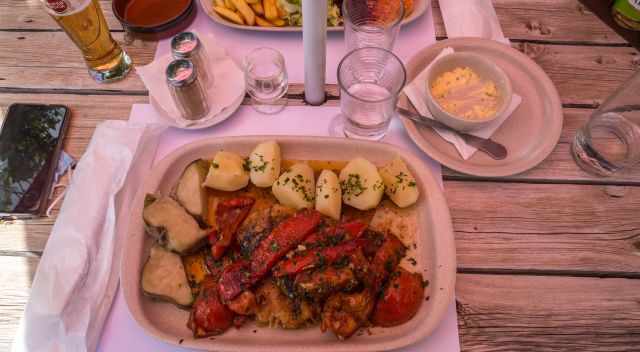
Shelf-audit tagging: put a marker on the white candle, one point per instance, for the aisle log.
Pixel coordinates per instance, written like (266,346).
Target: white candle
(314,38)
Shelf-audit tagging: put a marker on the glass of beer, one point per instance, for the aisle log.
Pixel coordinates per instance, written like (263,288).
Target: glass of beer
(84,23)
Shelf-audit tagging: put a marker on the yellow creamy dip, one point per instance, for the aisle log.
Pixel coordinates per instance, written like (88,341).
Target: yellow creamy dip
(462,93)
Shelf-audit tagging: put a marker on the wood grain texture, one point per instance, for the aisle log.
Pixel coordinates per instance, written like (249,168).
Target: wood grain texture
(559,166)
(87,112)
(16,277)
(574,228)
(47,60)
(546,20)
(535,313)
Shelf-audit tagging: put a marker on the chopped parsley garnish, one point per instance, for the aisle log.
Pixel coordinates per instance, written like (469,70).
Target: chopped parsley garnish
(352,186)
(246,165)
(412,184)
(260,166)
(274,247)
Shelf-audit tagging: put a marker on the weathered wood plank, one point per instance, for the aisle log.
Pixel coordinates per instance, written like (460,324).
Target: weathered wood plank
(16,277)
(559,166)
(86,113)
(48,60)
(495,312)
(583,75)
(548,20)
(576,228)
(29,14)
(535,313)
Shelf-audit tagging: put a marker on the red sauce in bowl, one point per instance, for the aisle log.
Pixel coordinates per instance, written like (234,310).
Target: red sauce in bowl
(153,12)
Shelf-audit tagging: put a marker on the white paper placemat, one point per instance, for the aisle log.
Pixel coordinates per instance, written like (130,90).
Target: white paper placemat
(122,333)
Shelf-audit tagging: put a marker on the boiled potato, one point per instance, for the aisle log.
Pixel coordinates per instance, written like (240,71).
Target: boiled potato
(227,172)
(264,164)
(362,186)
(295,187)
(400,185)
(328,194)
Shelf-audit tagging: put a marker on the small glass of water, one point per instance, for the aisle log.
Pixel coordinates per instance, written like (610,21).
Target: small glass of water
(266,80)
(610,141)
(371,23)
(370,80)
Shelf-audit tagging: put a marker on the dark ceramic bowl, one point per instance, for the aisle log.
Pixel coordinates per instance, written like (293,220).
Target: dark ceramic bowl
(165,24)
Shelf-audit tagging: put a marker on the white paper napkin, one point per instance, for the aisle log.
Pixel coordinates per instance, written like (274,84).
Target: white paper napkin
(77,277)
(471,18)
(416,91)
(225,88)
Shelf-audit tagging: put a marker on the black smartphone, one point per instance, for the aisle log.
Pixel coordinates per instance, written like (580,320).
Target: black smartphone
(30,145)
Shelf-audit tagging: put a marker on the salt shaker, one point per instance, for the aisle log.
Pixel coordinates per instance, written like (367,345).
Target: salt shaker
(186,45)
(186,89)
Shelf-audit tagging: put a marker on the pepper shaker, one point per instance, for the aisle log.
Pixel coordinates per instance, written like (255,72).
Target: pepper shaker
(186,89)
(186,45)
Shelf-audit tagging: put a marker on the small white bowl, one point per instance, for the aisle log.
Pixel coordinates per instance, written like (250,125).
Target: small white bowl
(484,68)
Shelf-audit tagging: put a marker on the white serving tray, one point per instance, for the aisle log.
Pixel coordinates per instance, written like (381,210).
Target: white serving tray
(420,6)
(435,254)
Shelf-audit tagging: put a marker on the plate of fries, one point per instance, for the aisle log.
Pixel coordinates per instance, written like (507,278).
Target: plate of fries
(273,16)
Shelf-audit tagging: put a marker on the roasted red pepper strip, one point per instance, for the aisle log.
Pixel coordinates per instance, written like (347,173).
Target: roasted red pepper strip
(386,259)
(286,236)
(230,214)
(234,279)
(315,257)
(351,230)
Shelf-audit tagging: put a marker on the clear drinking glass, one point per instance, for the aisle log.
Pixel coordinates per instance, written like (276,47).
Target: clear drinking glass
(266,80)
(610,141)
(370,80)
(371,23)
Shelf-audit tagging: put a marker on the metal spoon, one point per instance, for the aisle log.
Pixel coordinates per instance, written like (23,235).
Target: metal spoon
(492,148)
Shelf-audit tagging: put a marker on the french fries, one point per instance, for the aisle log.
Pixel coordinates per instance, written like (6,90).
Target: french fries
(263,13)
(278,22)
(229,4)
(245,10)
(270,9)
(257,8)
(262,22)
(228,14)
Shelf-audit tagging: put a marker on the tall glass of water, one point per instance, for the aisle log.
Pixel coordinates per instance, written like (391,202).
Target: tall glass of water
(266,80)
(610,141)
(370,80)
(371,23)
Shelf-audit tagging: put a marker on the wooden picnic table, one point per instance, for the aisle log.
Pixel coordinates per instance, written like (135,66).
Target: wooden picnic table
(548,260)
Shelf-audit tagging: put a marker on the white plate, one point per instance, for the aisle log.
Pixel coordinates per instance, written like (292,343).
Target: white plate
(435,254)
(530,134)
(207,121)
(420,6)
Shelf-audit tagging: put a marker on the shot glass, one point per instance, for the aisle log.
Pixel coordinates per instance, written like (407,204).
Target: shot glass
(610,142)
(266,80)
(371,23)
(370,80)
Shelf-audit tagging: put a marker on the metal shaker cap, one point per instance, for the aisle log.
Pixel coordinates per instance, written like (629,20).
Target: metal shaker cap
(184,45)
(181,72)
